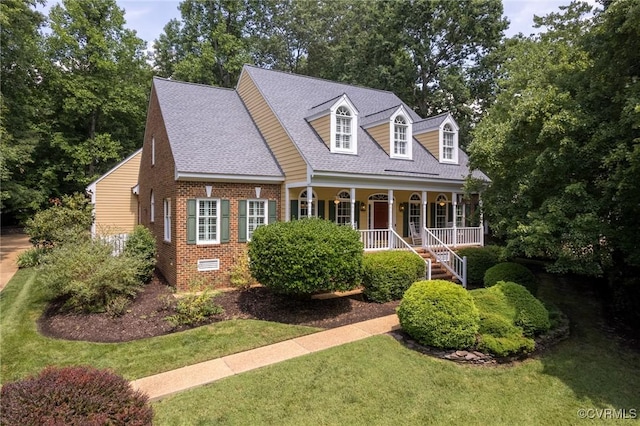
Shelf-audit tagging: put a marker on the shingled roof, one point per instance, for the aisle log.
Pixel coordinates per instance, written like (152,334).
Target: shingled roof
(211,132)
(294,97)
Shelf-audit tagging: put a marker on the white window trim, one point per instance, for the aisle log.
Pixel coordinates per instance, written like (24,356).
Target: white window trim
(413,202)
(167,219)
(152,208)
(392,139)
(304,199)
(266,214)
(346,200)
(218,216)
(455,129)
(344,102)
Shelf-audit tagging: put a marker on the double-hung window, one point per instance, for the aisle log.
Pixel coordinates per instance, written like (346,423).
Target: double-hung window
(343,128)
(257,215)
(400,136)
(167,219)
(448,143)
(208,220)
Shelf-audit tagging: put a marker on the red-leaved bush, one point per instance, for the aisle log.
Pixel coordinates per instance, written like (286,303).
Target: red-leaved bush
(73,396)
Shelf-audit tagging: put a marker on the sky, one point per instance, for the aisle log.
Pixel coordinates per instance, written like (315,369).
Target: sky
(148,17)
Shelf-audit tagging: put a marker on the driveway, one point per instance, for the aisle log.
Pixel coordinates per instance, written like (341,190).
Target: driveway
(10,246)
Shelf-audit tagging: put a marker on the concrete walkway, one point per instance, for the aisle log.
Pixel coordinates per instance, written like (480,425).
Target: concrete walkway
(11,245)
(170,382)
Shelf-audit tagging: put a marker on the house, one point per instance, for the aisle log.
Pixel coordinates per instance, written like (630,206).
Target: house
(114,198)
(216,163)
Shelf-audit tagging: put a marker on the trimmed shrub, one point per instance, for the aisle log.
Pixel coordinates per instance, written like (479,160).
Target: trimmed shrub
(388,274)
(67,220)
(194,309)
(73,396)
(511,272)
(479,259)
(505,346)
(88,277)
(240,275)
(440,314)
(141,245)
(306,256)
(30,258)
(530,313)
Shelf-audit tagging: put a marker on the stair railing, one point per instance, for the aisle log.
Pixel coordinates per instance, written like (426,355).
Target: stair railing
(448,258)
(396,242)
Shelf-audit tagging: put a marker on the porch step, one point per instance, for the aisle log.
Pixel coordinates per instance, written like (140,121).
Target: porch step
(438,272)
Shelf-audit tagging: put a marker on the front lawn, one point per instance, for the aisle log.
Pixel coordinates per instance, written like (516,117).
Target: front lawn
(24,351)
(379,381)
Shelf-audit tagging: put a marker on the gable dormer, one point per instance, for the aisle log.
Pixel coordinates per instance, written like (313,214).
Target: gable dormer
(439,135)
(336,122)
(392,129)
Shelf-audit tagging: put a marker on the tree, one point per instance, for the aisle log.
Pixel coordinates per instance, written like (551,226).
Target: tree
(561,142)
(20,61)
(209,46)
(97,82)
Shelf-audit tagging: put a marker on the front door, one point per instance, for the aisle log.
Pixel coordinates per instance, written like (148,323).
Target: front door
(380,215)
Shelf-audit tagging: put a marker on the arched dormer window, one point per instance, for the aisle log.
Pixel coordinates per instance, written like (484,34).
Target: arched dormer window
(449,144)
(344,127)
(400,135)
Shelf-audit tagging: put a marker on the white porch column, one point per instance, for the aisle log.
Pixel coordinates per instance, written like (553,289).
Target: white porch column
(390,197)
(454,200)
(424,218)
(287,205)
(352,197)
(309,201)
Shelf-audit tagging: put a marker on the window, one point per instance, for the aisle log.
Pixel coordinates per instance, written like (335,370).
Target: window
(400,137)
(167,219)
(207,220)
(441,211)
(343,208)
(415,210)
(303,205)
(153,150)
(343,129)
(152,208)
(256,215)
(449,144)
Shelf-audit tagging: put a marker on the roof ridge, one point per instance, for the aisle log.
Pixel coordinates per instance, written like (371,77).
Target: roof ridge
(319,79)
(327,101)
(433,116)
(209,86)
(384,110)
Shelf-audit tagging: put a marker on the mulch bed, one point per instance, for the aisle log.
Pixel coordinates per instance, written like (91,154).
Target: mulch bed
(145,316)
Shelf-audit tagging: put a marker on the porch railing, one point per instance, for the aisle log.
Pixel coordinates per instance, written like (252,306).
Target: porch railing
(448,258)
(387,239)
(465,236)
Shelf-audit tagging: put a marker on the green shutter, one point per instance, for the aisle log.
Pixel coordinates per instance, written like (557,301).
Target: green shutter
(191,221)
(356,214)
(224,221)
(294,209)
(405,220)
(320,208)
(450,219)
(432,222)
(332,212)
(242,221)
(273,213)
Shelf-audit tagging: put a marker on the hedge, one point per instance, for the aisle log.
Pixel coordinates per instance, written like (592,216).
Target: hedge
(511,272)
(388,274)
(530,313)
(479,259)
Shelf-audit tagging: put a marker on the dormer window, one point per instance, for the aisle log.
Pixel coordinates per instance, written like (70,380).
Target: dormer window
(400,135)
(343,129)
(448,143)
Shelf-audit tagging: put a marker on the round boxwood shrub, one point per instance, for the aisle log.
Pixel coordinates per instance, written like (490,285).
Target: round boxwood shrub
(499,336)
(388,274)
(479,259)
(511,272)
(530,313)
(440,314)
(306,256)
(73,396)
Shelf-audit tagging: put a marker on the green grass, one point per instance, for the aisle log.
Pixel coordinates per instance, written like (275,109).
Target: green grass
(379,381)
(24,351)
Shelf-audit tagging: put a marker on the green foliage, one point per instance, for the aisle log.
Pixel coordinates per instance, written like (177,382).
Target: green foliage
(239,274)
(117,306)
(31,257)
(88,277)
(514,344)
(530,313)
(306,256)
(479,259)
(67,220)
(514,272)
(388,274)
(194,309)
(74,396)
(141,245)
(440,314)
